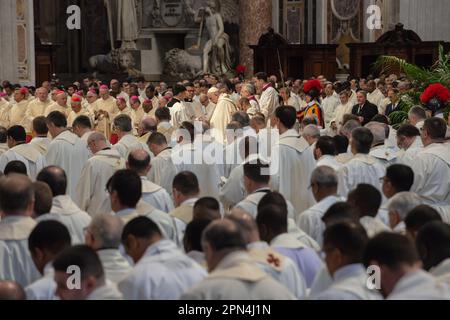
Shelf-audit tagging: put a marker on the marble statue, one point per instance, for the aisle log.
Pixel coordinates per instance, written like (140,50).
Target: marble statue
(126,22)
(217,50)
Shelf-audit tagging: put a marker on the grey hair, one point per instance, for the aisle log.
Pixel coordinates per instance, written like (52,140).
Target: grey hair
(324,176)
(379,131)
(96,136)
(107,229)
(312,131)
(349,126)
(418,112)
(403,203)
(250,88)
(123,123)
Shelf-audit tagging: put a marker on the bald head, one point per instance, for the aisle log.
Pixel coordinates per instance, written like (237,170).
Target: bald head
(246,223)
(55,178)
(105,231)
(16,195)
(139,162)
(12,291)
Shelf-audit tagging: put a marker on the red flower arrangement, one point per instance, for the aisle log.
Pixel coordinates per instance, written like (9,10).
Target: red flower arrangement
(437,91)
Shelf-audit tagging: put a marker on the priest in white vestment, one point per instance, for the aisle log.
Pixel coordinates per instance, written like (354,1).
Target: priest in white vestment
(59,105)
(161,271)
(432,165)
(40,140)
(329,104)
(410,144)
(127,141)
(233,274)
(33,160)
(64,209)
(153,194)
(47,240)
(362,168)
(269,100)
(103,235)
(37,107)
(292,162)
(162,169)
(91,194)
(66,151)
(15,227)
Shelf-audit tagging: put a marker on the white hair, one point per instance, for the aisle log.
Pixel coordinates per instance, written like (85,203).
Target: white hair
(107,229)
(312,131)
(379,131)
(250,88)
(324,176)
(403,203)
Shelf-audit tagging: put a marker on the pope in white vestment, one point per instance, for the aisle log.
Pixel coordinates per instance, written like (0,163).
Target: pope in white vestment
(163,273)
(221,117)
(16,263)
(66,211)
(91,194)
(70,153)
(34,161)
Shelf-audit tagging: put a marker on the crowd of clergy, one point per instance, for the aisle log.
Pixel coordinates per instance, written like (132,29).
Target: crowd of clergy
(333,202)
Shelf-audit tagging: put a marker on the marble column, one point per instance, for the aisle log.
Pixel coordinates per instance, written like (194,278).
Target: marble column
(255,17)
(17,36)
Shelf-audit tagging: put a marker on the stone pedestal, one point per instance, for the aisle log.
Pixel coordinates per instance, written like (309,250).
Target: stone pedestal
(255,17)
(17,38)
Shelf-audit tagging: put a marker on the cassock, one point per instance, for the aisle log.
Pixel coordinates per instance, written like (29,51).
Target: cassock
(116,267)
(41,144)
(278,267)
(305,258)
(16,263)
(349,283)
(221,117)
(432,174)
(91,194)
(163,273)
(179,113)
(36,108)
(163,171)
(268,101)
(189,157)
(156,196)
(70,153)
(34,161)
(127,144)
(362,168)
(182,216)
(56,107)
(45,287)
(291,165)
(310,220)
(236,277)
(17,114)
(419,285)
(67,212)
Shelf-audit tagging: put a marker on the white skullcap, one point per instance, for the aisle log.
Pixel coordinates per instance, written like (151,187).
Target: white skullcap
(213,90)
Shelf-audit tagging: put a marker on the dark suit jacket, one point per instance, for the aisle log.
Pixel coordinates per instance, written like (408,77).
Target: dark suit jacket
(389,108)
(368,111)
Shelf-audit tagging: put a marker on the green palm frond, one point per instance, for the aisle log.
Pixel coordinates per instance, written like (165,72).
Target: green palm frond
(391,64)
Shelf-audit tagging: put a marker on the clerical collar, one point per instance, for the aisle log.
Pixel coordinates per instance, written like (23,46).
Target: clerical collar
(267,86)
(188,100)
